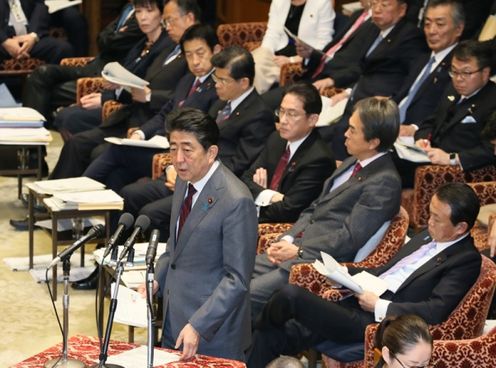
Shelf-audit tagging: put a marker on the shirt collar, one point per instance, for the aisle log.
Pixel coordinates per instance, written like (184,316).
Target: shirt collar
(237,101)
(293,146)
(200,184)
(367,161)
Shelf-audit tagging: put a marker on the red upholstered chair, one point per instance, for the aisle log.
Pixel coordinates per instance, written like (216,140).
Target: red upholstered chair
(241,33)
(479,352)
(465,322)
(160,162)
(270,228)
(76,61)
(428,178)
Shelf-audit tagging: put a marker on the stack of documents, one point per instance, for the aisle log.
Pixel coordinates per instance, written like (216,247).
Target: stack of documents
(91,200)
(22,125)
(81,184)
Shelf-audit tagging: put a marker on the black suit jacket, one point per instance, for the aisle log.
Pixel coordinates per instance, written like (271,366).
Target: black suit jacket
(163,81)
(435,289)
(457,127)
(202,98)
(302,180)
(36,13)
(243,134)
(426,100)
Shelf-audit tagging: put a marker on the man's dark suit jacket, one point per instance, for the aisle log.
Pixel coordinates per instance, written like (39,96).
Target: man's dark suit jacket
(435,289)
(202,98)
(36,14)
(302,180)
(163,81)
(457,127)
(427,98)
(243,134)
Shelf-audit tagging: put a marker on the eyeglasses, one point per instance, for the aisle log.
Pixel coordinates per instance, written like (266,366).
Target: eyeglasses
(464,75)
(406,366)
(171,21)
(290,114)
(222,81)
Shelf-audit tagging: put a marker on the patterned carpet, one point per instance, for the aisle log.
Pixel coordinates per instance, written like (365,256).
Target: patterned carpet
(26,315)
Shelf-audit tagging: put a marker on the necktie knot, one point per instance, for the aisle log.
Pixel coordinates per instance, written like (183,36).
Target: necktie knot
(356,169)
(224,113)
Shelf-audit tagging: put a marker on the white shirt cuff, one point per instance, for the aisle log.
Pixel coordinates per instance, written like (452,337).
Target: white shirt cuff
(380,309)
(288,238)
(264,197)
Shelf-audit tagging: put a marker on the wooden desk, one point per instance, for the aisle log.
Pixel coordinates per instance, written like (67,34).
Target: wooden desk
(86,349)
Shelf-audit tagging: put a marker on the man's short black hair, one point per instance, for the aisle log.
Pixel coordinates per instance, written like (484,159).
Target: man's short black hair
(200,124)
(462,200)
(238,61)
(189,6)
(200,32)
(481,51)
(308,94)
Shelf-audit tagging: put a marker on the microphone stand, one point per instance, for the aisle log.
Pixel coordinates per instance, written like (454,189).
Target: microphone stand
(63,361)
(150,276)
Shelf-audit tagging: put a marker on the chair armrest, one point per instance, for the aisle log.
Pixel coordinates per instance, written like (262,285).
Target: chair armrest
(240,33)
(306,276)
(76,61)
(159,163)
(88,85)
(269,228)
(109,107)
(289,72)
(264,241)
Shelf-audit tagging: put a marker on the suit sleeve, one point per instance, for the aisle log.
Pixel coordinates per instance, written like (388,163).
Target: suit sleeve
(378,202)
(118,43)
(446,294)
(238,251)
(39,20)
(161,268)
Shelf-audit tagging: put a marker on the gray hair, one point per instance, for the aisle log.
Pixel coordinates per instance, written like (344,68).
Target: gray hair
(457,11)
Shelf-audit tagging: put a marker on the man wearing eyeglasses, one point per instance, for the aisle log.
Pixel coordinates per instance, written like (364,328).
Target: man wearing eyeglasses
(452,136)
(290,171)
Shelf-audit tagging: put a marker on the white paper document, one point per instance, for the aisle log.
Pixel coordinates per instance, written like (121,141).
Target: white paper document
(139,252)
(131,307)
(56,5)
(137,357)
(157,141)
(80,184)
(90,200)
(24,135)
(331,114)
(20,114)
(330,268)
(116,73)
(407,150)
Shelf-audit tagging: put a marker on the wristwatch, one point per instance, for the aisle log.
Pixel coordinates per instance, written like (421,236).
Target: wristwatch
(300,252)
(452,158)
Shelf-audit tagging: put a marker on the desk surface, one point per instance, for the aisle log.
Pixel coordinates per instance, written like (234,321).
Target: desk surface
(86,349)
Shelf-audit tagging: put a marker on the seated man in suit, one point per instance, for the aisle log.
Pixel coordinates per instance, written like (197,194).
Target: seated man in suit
(428,277)
(51,86)
(118,165)
(244,123)
(419,96)
(452,136)
(163,75)
(24,32)
(358,198)
(203,276)
(290,171)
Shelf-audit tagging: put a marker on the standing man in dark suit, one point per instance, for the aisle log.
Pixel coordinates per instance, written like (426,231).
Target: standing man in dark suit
(242,133)
(452,136)
(420,95)
(51,86)
(290,171)
(359,197)
(427,277)
(24,32)
(163,75)
(203,276)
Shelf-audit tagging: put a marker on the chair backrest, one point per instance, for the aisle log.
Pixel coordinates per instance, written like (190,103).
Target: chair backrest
(240,33)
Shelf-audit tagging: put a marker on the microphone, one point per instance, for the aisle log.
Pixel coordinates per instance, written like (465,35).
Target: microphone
(95,232)
(151,252)
(125,222)
(141,224)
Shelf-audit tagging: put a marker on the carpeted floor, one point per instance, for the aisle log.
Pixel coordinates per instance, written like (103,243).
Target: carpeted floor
(26,316)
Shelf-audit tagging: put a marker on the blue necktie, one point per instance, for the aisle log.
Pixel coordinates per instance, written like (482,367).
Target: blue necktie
(374,45)
(224,113)
(414,89)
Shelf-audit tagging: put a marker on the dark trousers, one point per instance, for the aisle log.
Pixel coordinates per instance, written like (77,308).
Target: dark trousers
(76,27)
(295,319)
(51,86)
(119,166)
(48,49)
(150,198)
(75,119)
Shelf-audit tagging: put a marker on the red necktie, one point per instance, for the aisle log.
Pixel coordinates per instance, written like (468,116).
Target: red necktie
(356,169)
(186,208)
(339,44)
(194,87)
(281,165)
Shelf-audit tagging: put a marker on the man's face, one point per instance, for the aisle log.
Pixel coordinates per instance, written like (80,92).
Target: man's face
(227,87)
(386,13)
(440,227)
(198,55)
(355,142)
(467,77)
(439,29)
(294,122)
(175,22)
(189,158)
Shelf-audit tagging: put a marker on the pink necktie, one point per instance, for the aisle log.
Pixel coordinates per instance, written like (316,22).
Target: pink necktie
(412,258)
